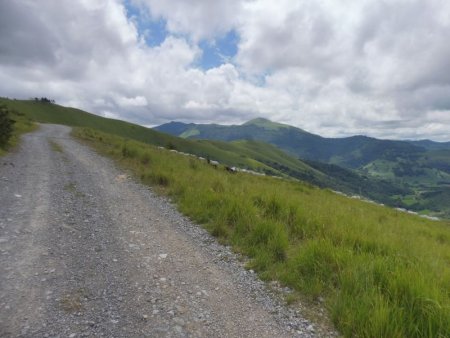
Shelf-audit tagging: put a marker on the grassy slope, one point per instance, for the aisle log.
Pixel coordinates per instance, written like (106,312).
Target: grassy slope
(391,172)
(22,124)
(383,273)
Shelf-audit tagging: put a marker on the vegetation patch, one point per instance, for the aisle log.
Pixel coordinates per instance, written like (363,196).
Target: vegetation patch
(381,272)
(55,146)
(12,125)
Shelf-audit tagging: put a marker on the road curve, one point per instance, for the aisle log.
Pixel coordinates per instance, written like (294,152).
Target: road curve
(85,252)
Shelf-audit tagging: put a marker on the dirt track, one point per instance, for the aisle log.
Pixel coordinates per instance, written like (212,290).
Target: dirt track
(85,251)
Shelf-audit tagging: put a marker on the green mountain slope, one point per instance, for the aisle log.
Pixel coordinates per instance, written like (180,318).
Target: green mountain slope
(350,152)
(431,145)
(413,168)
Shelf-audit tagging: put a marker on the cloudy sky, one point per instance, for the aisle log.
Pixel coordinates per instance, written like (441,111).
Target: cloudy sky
(332,67)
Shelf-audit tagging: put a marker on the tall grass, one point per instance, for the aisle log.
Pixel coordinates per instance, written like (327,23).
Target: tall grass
(383,273)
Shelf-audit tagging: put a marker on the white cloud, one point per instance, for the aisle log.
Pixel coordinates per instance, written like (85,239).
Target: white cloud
(199,19)
(138,101)
(334,68)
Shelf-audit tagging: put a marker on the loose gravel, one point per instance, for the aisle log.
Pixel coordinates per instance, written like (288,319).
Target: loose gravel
(85,251)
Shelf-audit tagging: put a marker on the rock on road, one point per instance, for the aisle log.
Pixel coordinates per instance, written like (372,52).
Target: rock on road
(86,252)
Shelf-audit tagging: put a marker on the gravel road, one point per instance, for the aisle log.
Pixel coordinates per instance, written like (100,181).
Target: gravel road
(85,252)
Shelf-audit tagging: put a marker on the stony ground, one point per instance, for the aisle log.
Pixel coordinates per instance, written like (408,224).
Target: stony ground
(87,252)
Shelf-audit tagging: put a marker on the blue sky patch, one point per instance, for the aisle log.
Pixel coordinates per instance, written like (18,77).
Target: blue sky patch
(218,51)
(215,52)
(153,31)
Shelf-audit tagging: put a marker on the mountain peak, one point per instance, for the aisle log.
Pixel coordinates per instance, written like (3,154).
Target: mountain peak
(265,123)
(258,120)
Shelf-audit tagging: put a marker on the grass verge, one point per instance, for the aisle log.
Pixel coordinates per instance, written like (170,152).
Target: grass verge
(382,273)
(22,124)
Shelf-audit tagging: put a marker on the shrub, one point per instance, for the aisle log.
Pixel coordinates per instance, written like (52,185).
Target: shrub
(6,126)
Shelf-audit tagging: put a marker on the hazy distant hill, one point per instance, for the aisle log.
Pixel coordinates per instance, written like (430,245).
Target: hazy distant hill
(431,145)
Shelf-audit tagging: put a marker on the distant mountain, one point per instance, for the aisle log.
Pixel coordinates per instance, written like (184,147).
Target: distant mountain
(350,152)
(431,145)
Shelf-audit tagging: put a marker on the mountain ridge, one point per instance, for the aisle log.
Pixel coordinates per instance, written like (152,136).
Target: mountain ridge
(349,152)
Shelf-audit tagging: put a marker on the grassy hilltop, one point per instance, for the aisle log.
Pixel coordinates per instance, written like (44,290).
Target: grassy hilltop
(381,272)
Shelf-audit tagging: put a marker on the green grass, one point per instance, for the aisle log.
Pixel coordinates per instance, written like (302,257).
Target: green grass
(22,124)
(382,273)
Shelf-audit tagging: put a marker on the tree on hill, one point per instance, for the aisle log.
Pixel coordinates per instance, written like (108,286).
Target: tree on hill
(44,100)
(6,126)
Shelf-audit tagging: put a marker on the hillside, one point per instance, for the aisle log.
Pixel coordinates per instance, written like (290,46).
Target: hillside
(350,152)
(247,154)
(431,145)
(414,169)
